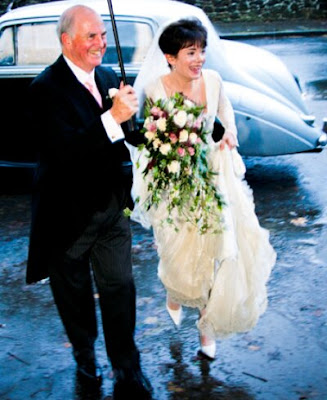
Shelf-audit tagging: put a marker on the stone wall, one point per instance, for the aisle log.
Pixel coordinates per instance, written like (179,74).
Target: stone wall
(243,10)
(267,10)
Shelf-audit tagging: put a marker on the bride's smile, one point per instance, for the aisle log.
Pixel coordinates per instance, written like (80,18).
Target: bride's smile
(186,73)
(187,64)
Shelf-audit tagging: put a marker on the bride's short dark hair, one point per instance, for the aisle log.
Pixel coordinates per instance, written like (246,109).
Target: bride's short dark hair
(182,33)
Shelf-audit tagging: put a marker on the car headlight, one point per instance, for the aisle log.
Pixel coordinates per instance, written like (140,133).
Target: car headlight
(324,125)
(322,141)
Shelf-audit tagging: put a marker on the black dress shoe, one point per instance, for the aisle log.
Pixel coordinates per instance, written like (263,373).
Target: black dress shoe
(89,373)
(131,384)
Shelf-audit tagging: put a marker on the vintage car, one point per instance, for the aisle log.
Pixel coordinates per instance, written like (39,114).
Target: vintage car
(270,112)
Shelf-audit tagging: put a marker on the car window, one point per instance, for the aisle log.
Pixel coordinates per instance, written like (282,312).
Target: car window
(7,47)
(134,38)
(37,43)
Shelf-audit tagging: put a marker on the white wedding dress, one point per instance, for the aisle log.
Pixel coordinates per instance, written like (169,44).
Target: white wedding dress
(224,273)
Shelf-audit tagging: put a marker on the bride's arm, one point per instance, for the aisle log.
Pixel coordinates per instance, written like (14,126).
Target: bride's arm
(227,117)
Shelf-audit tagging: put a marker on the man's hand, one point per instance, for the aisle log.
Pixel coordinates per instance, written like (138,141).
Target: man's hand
(125,104)
(228,139)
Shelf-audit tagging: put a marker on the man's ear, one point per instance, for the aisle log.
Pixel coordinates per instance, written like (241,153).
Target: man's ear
(66,39)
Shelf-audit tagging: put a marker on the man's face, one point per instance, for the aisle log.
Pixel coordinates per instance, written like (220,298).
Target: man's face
(87,44)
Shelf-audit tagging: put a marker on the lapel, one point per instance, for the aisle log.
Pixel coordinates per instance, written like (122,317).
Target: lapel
(79,94)
(76,93)
(105,79)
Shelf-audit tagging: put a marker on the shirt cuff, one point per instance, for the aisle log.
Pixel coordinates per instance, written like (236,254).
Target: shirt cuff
(114,131)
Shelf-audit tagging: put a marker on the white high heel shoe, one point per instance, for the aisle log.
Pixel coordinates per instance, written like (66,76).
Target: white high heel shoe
(209,350)
(175,315)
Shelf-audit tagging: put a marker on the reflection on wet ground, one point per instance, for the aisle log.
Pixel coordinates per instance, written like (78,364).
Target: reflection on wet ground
(281,201)
(284,357)
(201,385)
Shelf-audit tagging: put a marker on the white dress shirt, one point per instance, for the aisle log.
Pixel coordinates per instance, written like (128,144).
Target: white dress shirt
(113,130)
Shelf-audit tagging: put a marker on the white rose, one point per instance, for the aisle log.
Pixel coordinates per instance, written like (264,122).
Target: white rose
(170,106)
(180,118)
(147,122)
(150,135)
(165,148)
(193,137)
(161,124)
(112,92)
(174,167)
(190,120)
(156,143)
(183,135)
(189,103)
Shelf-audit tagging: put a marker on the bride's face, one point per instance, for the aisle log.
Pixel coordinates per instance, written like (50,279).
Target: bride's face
(188,62)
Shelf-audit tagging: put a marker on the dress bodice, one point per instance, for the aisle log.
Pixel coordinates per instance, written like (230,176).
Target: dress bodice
(217,104)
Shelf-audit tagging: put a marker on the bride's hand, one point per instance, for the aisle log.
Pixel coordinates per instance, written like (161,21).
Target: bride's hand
(228,139)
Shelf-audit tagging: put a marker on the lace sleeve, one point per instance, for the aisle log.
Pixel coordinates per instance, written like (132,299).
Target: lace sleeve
(225,110)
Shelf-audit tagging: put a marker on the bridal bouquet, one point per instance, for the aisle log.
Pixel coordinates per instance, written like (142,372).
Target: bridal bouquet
(177,169)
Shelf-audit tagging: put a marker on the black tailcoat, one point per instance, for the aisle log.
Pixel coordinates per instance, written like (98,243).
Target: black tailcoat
(79,167)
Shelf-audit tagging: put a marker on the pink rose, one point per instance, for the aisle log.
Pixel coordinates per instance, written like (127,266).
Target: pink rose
(173,138)
(156,112)
(198,122)
(191,151)
(181,151)
(152,127)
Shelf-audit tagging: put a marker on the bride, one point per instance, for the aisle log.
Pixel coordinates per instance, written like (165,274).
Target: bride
(223,275)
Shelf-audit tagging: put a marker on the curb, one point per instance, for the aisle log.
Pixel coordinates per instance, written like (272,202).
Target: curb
(240,35)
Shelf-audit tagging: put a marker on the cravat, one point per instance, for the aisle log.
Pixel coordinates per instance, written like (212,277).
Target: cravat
(91,86)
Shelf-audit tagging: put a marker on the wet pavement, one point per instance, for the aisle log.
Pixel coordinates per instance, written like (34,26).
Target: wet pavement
(283,358)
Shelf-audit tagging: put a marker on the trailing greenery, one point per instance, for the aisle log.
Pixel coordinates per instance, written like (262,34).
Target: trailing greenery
(177,171)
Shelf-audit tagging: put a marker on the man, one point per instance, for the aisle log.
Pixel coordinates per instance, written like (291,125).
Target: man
(82,186)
